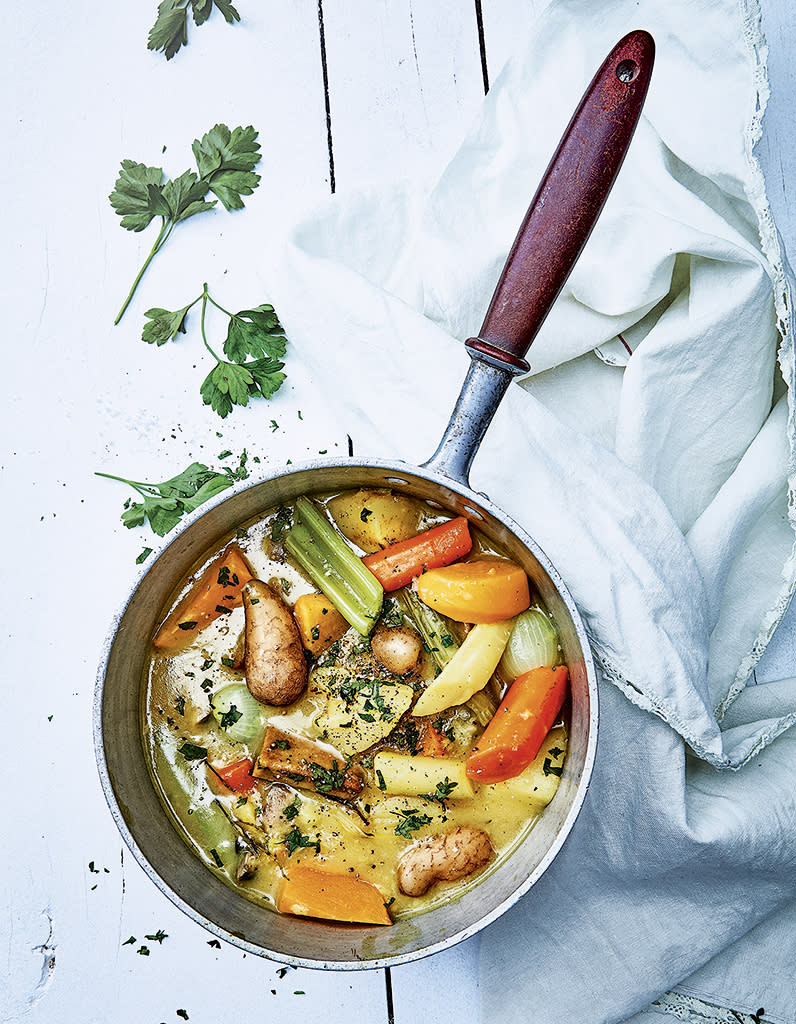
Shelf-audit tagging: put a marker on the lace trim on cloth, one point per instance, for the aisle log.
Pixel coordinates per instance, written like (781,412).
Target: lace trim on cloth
(751,16)
(697,1011)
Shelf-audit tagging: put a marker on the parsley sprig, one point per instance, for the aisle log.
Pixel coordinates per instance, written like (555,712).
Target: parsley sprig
(170,31)
(164,504)
(225,161)
(255,333)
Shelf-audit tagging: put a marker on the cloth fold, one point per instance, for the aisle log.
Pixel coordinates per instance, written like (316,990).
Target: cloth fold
(652,455)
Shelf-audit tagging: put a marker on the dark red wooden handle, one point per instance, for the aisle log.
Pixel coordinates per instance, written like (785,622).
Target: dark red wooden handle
(567,202)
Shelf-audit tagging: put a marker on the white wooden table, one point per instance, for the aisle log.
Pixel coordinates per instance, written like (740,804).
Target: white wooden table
(343,92)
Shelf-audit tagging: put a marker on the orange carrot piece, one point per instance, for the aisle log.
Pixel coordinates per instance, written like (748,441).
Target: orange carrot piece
(319,622)
(515,735)
(398,564)
(217,590)
(487,589)
(313,893)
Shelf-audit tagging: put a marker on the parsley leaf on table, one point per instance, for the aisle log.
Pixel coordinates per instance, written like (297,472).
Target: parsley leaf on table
(225,160)
(251,332)
(164,504)
(170,31)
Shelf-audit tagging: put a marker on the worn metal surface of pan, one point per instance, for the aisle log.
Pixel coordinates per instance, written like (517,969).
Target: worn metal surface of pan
(555,229)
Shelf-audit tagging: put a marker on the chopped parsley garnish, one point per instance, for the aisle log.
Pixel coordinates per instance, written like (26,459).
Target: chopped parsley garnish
(294,840)
(225,577)
(179,704)
(206,664)
(143,556)
(447,640)
(292,809)
(327,779)
(228,662)
(223,610)
(391,614)
(365,514)
(552,769)
(442,792)
(280,745)
(382,783)
(407,737)
(556,751)
(193,752)
(410,821)
(207,685)
(230,717)
(280,524)
(216,858)
(315,632)
(187,625)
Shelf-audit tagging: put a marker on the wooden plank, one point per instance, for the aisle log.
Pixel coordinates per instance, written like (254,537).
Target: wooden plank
(404,84)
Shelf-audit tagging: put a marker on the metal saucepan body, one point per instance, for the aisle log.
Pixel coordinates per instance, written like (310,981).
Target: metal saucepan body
(557,225)
(149,830)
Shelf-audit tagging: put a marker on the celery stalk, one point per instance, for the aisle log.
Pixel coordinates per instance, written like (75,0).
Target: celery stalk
(333,567)
(437,636)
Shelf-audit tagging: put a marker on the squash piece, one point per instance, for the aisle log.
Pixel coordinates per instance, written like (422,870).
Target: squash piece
(217,591)
(373,519)
(309,892)
(319,622)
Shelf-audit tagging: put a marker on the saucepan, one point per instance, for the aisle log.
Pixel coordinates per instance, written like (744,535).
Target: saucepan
(552,235)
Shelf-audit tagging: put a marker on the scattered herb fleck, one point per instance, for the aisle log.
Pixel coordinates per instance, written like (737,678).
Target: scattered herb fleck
(193,752)
(552,769)
(130,941)
(143,951)
(143,556)
(216,858)
(159,936)
(294,840)
(410,821)
(230,717)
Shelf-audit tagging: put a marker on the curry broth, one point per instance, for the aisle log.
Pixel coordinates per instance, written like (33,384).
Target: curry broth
(231,832)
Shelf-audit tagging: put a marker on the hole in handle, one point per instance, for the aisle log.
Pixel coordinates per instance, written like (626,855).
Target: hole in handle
(627,71)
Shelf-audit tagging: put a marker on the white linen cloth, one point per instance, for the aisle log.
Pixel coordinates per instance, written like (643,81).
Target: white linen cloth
(659,484)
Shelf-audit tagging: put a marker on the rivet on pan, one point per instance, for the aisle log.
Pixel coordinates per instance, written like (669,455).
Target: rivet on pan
(397,480)
(473,512)
(627,71)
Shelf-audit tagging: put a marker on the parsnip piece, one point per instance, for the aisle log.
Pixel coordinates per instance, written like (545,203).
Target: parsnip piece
(288,757)
(468,671)
(420,775)
(373,519)
(276,669)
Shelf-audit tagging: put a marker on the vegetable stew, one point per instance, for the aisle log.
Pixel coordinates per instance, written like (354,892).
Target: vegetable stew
(355,708)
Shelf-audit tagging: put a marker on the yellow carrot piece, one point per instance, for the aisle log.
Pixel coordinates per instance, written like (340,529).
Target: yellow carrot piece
(468,671)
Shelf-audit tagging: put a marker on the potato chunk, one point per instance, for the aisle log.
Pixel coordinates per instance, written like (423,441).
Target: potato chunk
(373,519)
